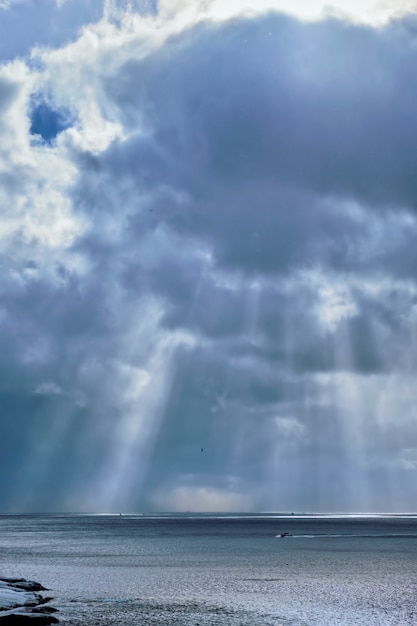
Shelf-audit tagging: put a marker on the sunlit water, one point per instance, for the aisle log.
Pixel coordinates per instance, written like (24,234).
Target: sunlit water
(201,570)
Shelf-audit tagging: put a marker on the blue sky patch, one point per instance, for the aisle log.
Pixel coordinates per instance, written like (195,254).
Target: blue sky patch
(48,122)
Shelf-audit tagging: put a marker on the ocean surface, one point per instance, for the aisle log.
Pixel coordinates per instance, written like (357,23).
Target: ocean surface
(231,570)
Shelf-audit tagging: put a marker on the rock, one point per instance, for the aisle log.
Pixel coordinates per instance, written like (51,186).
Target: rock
(22,583)
(20,603)
(45,609)
(20,619)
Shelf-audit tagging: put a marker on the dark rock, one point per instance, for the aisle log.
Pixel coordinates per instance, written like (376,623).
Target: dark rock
(28,585)
(44,600)
(22,604)
(20,619)
(6,579)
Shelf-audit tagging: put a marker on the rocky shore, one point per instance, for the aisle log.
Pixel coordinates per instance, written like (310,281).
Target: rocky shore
(22,602)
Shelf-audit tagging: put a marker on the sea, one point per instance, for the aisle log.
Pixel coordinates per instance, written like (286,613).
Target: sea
(216,569)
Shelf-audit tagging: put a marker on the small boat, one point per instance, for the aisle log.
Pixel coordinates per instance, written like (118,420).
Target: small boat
(285,534)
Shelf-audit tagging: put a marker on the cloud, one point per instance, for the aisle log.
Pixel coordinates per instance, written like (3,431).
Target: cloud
(201,499)
(288,427)
(306,96)
(26,24)
(212,247)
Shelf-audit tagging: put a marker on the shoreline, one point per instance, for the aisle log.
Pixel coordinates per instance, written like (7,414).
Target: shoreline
(22,602)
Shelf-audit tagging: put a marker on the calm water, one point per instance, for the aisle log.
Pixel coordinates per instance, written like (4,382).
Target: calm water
(201,570)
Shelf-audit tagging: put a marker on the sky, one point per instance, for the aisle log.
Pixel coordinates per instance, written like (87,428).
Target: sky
(208,287)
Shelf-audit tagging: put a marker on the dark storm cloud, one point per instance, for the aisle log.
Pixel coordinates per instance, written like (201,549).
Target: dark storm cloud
(326,105)
(257,134)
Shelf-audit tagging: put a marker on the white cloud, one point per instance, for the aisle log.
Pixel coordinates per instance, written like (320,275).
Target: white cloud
(335,302)
(362,10)
(48,388)
(289,427)
(7,4)
(181,498)
(405,464)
